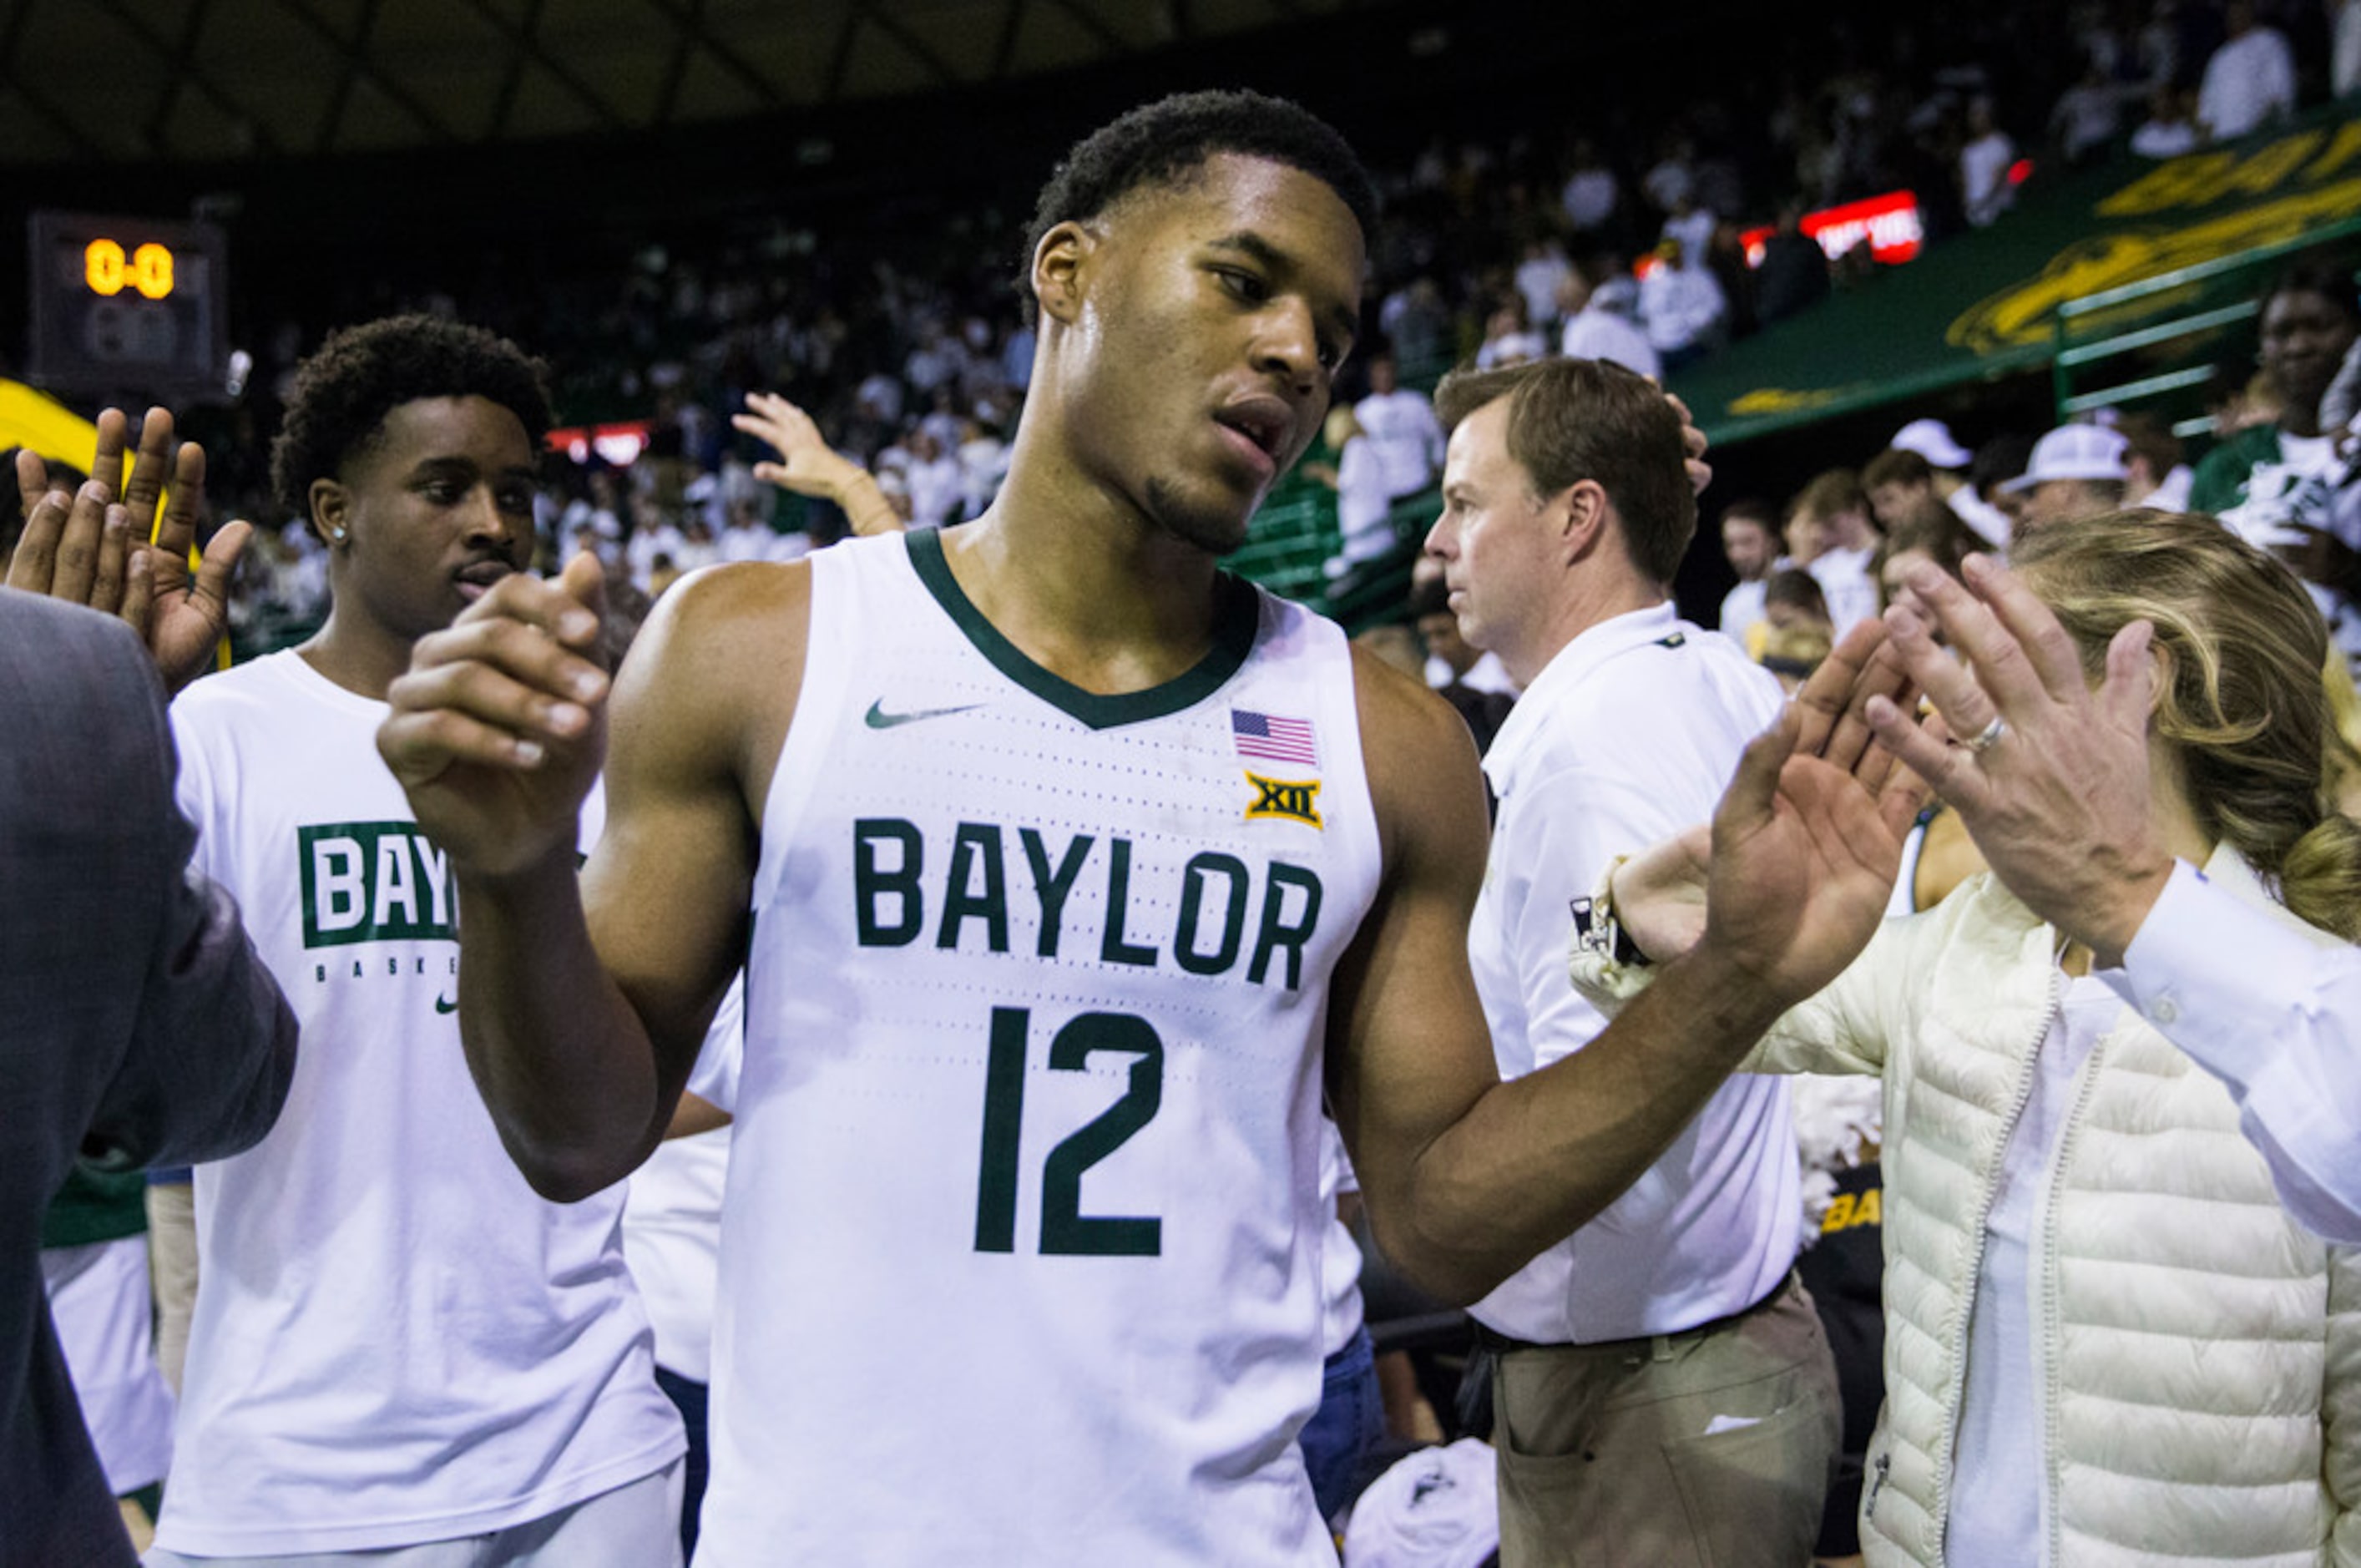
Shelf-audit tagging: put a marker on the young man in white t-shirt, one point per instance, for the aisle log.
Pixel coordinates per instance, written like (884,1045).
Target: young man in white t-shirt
(398,1344)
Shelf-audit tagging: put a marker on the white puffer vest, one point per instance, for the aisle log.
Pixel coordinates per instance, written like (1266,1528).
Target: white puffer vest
(2200,1367)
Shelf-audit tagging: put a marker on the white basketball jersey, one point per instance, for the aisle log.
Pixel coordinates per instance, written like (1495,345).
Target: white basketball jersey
(1021,1255)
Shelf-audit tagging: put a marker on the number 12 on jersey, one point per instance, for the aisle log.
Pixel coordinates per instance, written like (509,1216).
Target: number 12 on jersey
(1065,1229)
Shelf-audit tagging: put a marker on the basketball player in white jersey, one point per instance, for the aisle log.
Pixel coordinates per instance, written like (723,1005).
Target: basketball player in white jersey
(1069,874)
(400,1353)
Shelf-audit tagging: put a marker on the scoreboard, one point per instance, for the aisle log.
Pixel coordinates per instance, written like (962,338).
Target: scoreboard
(127,306)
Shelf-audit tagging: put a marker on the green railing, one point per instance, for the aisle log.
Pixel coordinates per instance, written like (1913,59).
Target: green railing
(1292,538)
(1289,540)
(2152,358)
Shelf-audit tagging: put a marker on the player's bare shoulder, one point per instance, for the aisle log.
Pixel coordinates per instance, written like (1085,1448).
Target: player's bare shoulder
(711,680)
(1423,778)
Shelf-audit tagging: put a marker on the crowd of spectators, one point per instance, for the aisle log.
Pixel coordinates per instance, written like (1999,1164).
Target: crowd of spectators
(2277,470)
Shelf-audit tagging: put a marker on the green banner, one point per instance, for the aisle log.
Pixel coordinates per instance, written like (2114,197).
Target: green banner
(1985,304)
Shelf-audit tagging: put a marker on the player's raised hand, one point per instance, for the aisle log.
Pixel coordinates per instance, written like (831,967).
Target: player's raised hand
(499,729)
(186,612)
(1661,894)
(1803,862)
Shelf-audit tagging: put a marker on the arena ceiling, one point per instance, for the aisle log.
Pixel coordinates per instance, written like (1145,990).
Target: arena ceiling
(207,80)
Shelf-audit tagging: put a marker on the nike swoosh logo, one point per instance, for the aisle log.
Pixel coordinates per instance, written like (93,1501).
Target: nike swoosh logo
(878,719)
(443,1006)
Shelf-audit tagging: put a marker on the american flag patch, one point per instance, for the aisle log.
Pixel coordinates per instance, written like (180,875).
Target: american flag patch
(1268,738)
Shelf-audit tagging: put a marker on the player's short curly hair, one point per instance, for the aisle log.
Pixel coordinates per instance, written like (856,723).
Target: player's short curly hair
(1165,142)
(343,391)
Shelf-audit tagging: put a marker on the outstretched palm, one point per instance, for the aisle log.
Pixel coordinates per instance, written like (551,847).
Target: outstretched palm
(1791,877)
(1802,864)
(188,613)
(116,556)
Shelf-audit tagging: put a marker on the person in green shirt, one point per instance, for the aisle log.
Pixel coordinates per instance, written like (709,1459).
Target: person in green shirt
(2276,484)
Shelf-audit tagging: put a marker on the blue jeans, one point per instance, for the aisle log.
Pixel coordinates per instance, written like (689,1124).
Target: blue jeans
(1349,1422)
(689,1398)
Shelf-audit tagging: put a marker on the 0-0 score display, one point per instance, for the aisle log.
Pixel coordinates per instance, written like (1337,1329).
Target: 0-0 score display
(108,271)
(127,306)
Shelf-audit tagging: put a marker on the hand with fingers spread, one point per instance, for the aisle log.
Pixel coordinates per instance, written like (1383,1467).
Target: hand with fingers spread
(2054,781)
(1808,839)
(810,467)
(1661,894)
(499,730)
(189,612)
(1801,868)
(122,558)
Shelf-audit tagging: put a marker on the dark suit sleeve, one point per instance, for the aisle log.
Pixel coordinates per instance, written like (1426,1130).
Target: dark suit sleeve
(213,1049)
(134,975)
(213,1045)
(139,1024)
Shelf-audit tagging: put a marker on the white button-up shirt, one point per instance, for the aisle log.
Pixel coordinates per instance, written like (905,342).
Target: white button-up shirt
(2276,1016)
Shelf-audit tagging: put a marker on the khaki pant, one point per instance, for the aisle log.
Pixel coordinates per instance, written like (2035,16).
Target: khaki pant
(1710,1449)
(172,1267)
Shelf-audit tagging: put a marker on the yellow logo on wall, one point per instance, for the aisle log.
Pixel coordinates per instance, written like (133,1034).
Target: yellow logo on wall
(1297,801)
(2303,166)
(1782,399)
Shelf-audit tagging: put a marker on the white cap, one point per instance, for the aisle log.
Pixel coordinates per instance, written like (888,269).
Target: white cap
(1618,294)
(1931,439)
(1437,1508)
(2074,452)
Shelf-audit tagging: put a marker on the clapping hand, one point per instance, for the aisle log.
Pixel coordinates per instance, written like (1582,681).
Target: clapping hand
(2053,780)
(1793,872)
(119,557)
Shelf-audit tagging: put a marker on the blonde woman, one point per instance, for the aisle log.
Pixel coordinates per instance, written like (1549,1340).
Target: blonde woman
(2107,1340)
